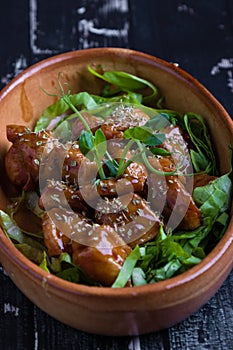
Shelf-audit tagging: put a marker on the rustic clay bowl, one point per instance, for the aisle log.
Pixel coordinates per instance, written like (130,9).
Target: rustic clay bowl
(104,310)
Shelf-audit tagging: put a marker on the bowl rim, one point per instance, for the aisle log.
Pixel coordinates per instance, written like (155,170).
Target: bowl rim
(224,245)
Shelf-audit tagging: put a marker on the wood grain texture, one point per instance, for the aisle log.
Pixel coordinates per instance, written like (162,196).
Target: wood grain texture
(198,35)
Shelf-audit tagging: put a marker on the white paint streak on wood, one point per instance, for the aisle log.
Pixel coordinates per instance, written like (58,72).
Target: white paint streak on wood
(226,65)
(87,27)
(93,34)
(3,271)
(18,66)
(9,308)
(135,344)
(230,80)
(33,20)
(115,5)
(36,343)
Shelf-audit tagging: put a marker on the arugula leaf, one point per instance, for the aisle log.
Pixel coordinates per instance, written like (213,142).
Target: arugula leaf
(81,100)
(167,256)
(126,82)
(51,112)
(161,118)
(155,139)
(100,143)
(10,228)
(203,157)
(70,274)
(86,142)
(30,252)
(140,133)
(129,97)
(145,135)
(112,167)
(167,271)
(138,277)
(214,198)
(127,268)
(43,263)
(160,151)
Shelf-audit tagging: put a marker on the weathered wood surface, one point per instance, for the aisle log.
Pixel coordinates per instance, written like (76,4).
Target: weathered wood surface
(198,35)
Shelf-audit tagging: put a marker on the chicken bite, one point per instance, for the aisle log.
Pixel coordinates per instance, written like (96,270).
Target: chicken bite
(177,202)
(131,217)
(121,119)
(22,160)
(104,255)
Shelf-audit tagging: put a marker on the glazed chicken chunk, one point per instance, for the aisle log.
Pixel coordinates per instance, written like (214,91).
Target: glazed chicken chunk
(22,160)
(171,192)
(131,217)
(96,249)
(103,255)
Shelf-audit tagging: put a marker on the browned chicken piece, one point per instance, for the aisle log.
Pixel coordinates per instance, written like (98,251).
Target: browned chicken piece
(23,158)
(55,241)
(77,169)
(131,217)
(97,250)
(61,227)
(58,195)
(139,173)
(202,179)
(103,255)
(14,131)
(176,144)
(29,149)
(110,188)
(121,119)
(105,188)
(171,193)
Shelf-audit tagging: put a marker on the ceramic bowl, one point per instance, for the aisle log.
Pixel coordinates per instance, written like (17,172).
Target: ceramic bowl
(126,311)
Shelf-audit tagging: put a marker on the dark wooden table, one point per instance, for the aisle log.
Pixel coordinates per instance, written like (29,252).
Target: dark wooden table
(196,34)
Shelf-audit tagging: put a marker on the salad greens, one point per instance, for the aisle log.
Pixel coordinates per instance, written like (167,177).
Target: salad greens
(170,253)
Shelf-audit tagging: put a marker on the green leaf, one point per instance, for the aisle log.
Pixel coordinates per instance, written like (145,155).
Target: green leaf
(112,167)
(145,135)
(127,82)
(215,196)
(43,263)
(86,142)
(140,133)
(51,112)
(71,274)
(81,100)
(167,271)
(138,277)
(100,143)
(32,253)
(65,258)
(155,139)
(10,228)
(127,268)
(203,157)
(161,119)
(159,151)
